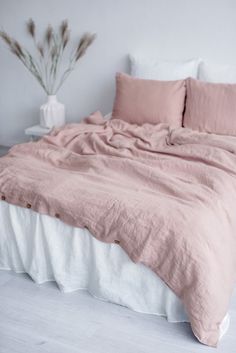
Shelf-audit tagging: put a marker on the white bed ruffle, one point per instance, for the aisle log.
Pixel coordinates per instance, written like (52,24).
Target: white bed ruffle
(49,250)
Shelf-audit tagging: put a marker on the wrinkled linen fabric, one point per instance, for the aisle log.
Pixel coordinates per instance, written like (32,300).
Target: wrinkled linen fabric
(140,101)
(210,107)
(167,196)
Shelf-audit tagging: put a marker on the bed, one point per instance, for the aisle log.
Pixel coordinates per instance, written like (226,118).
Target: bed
(133,214)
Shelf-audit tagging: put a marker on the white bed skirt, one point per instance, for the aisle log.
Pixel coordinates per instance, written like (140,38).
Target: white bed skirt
(50,250)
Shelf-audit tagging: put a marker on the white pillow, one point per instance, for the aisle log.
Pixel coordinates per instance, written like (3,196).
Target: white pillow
(163,70)
(217,73)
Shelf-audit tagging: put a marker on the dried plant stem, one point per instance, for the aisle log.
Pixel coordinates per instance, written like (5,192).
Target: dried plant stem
(35,73)
(56,61)
(35,70)
(65,76)
(47,67)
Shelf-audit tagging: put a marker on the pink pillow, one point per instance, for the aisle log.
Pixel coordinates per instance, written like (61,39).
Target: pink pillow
(140,101)
(211,107)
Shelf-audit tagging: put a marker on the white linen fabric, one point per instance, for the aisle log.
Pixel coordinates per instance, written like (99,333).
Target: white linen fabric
(50,250)
(163,70)
(217,73)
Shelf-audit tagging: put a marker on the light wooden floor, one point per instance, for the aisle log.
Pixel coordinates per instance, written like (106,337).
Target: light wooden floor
(37,319)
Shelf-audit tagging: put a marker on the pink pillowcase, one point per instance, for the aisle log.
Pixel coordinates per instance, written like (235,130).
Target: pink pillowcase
(211,107)
(140,101)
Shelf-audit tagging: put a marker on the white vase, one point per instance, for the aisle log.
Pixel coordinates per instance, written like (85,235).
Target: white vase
(52,113)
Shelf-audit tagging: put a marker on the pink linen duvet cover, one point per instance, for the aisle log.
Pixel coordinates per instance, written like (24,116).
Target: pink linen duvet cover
(168,197)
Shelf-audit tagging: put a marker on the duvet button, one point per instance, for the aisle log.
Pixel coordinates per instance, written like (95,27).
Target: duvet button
(116,241)
(3,197)
(57,215)
(28,205)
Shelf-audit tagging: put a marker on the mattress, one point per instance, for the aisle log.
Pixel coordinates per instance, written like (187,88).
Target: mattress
(50,250)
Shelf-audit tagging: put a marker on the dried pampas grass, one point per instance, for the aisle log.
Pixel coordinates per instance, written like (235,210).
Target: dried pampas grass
(85,41)
(46,67)
(30,25)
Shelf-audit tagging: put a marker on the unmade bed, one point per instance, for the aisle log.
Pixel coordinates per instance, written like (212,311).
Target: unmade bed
(142,216)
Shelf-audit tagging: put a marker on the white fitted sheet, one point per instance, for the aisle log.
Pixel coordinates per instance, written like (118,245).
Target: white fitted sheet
(50,250)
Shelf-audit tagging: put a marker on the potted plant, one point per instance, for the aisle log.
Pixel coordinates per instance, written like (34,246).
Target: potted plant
(49,65)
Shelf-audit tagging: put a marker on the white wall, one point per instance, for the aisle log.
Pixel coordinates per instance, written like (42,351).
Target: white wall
(172,29)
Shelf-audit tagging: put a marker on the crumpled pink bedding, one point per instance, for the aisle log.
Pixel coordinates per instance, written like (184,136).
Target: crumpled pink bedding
(168,197)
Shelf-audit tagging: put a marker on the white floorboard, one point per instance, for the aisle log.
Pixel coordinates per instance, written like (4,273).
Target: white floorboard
(40,318)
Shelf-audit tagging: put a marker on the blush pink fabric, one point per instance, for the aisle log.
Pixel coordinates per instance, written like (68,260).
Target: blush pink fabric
(140,101)
(168,196)
(211,107)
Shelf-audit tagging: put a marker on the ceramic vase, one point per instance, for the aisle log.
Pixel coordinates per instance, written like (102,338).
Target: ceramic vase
(52,113)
